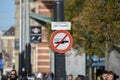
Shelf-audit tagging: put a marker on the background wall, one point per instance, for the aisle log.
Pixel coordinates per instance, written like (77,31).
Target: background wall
(114,62)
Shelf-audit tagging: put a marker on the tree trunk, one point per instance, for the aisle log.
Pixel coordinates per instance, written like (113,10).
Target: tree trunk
(106,56)
(90,69)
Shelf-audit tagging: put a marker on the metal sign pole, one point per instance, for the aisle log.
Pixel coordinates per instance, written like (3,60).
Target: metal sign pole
(28,45)
(59,60)
(20,38)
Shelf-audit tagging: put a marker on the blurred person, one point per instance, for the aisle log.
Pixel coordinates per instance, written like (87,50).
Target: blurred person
(80,77)
(39,76)
(112,76)
(24,75)
(52,76)
(104,75)
(49,76)
(44,76)
(13,75)
(70,77)
(77,78)
(6,76)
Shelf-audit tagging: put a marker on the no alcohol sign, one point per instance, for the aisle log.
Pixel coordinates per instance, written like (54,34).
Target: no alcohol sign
(61,41)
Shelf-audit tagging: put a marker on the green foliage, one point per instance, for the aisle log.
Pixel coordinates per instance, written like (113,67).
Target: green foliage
(95,25)
(94,22)
(48,26)
(72,8)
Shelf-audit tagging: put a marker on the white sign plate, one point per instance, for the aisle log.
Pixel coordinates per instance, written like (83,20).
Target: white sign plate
(61,26)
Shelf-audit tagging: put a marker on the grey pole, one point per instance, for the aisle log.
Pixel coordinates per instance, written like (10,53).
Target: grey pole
(24,25)
(20,24)
(60,72)
(20,37)
(28,46)
(27,22)
(24,36)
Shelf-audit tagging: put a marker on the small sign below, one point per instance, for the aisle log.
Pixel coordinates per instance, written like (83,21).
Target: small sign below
(61,26)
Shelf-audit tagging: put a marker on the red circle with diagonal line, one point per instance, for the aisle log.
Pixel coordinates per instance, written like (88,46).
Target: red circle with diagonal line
(61,41)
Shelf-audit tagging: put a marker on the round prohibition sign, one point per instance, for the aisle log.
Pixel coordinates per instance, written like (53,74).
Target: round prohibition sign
(61,41)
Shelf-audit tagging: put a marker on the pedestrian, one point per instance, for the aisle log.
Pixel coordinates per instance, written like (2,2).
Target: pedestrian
(111,75)
(13,75)
(104,75)
(77,78)
(47,76)
(70,77)
(52,76)
(80,77)
(24,75)
(39,76)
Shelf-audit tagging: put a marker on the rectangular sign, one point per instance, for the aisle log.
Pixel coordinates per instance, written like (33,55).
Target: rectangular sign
(35,34)
(61,26)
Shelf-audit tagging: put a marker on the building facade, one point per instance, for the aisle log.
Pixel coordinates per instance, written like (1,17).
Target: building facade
(7,47)
(40,52)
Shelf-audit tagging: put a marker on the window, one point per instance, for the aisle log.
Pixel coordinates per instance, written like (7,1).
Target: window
(5,43)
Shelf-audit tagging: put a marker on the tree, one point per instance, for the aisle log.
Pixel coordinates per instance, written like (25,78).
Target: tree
(97,28)
(73,8)
(95,24)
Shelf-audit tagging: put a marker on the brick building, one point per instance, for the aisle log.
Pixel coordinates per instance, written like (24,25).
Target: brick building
(40,12)
(7,47)
(41,52)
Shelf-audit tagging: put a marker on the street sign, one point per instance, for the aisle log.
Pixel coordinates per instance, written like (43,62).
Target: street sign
(61,26)
(1,64)
(35,34)
(61,41)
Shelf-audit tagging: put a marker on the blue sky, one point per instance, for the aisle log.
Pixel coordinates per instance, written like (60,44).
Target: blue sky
(7,14)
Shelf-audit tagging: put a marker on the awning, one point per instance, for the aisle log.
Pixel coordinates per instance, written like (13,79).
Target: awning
(43,18)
